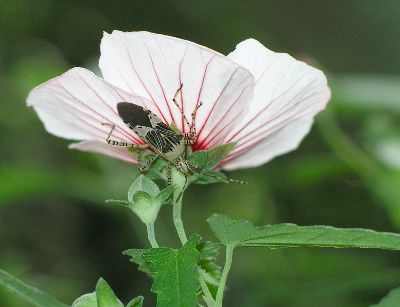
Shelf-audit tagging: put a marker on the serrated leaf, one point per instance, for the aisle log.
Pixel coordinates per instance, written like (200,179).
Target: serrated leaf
(86,300)
(136,302)
(136,256)
(143,184)
(390,300)
(105,295)
(175,274)
(27,293)
(243,233)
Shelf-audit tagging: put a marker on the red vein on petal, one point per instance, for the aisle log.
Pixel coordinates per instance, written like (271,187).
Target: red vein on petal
(267,133)
(56,112)
(202,86)
(215,132)
(159,82)
(141,81)
(215,103)
(180,82)
(88,107)
(283,112)
(268,104)
(126,131)
(264,72)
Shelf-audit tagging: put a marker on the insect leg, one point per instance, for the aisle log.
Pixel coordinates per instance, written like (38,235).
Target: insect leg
(169,174)
(145,167)
(179,108)
(193,132)
(118,143)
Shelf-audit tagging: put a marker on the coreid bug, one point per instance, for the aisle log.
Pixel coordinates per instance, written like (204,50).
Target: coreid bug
(162,139)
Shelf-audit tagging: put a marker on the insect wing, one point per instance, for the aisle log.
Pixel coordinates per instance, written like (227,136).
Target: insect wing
(163,138)
(133,115)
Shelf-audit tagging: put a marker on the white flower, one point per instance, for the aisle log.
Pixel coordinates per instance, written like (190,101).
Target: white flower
(264,101)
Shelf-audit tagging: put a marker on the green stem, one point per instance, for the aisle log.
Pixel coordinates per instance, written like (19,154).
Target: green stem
(207,296)
(151,235)
(177,217)
(224,276)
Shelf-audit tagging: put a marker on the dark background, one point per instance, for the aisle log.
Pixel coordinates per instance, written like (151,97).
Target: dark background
(56,232)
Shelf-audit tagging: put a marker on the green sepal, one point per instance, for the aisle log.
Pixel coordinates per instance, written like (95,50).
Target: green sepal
(86,300)
(174,127)
(165,194)
(122,203)
(143,184)
(136,302)
(207,160)
(105,295)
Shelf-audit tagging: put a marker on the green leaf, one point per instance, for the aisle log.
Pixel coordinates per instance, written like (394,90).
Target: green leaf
(27,293)
(105,295)
(143,184)
(243,233)
(175,274)
(390,300)
(86,300)
(137,257)
(136,302)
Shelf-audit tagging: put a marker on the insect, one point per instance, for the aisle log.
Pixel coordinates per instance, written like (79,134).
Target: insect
(158,136)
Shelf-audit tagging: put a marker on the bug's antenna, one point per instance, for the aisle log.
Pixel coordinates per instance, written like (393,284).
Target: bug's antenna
(222,178)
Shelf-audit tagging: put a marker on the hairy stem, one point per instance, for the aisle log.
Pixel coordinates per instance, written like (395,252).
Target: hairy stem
(207,296)
(224,276)
(177,217)
(151,235)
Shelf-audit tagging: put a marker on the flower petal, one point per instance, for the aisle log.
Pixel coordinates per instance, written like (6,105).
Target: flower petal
(75,104)
(154,66)
(288,93)
(121,153)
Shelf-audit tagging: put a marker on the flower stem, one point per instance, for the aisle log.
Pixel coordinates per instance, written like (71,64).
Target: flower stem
(224,276)
(151,235)
(177,217)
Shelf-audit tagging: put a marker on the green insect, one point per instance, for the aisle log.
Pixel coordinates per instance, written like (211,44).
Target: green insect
(160,138)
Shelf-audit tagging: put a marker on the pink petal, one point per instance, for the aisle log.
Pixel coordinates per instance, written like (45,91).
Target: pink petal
(103,148)
(153,66)
(288,93)
(74,105)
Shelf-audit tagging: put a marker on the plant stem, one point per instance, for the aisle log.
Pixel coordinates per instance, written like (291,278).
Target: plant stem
(151,235)
(224,276)
(177,217)
(207,296)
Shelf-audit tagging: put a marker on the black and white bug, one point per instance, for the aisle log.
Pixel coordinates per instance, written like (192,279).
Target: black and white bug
(156,135)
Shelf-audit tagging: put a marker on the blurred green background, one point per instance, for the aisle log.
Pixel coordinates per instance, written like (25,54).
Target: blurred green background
(56,232)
